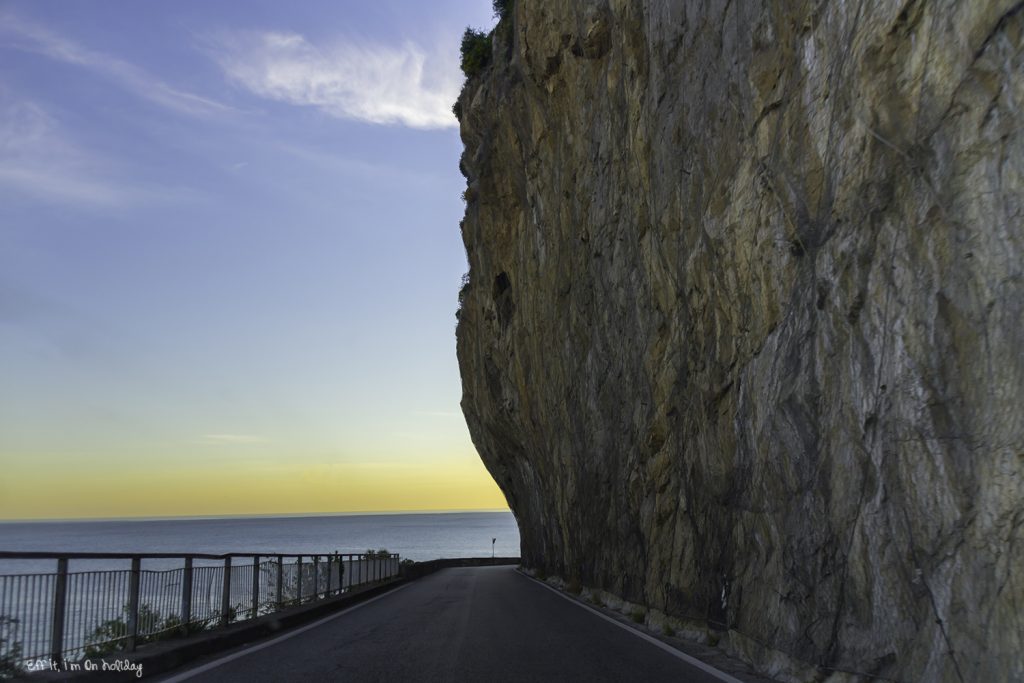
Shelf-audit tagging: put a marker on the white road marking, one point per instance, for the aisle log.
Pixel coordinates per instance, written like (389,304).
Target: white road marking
(692,661)
(185,675)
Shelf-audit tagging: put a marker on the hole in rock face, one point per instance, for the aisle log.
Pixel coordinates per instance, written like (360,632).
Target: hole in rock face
(503,302)
(501,284)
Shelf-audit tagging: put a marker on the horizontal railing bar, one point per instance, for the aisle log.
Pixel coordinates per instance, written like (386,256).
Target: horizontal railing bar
(37,555)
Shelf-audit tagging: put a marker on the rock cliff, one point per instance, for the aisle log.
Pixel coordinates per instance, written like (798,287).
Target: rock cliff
(742,338)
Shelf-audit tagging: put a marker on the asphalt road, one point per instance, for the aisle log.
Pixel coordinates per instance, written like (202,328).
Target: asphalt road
(461,624)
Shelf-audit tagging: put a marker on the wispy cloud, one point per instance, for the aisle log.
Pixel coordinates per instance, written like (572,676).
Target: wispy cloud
(374,83)
(234,438)
(27,36)
(341,165)
(38,160)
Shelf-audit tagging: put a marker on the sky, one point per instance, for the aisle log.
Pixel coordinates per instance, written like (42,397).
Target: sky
(230,258)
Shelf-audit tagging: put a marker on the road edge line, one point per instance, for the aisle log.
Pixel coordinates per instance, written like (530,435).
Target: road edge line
(679,654)
(185,675)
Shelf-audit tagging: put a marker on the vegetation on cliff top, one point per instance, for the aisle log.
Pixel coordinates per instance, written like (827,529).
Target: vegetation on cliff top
(477,44)
(476,51)
(502,8)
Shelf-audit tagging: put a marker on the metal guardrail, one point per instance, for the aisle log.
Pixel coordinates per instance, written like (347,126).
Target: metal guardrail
(69,615)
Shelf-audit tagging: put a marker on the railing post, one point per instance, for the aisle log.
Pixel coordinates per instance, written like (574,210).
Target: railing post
(280,580)
(316,577)
(330,576)
(186,595)
(60,596)
(255,586)
(298,585)
(133,603)
(225,596)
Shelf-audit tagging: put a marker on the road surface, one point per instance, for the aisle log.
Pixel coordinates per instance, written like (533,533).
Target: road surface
(460,624)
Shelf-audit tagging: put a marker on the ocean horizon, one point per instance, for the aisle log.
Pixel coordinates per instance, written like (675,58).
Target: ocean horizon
(418,536)
(266,515)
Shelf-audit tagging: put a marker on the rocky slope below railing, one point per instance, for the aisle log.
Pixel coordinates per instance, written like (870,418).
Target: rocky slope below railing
(742,339)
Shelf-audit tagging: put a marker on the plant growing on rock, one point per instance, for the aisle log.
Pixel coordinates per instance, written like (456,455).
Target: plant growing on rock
(503,8)
(463,293)
(476,51)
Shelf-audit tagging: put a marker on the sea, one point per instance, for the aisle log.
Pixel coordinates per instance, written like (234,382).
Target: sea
(416,536)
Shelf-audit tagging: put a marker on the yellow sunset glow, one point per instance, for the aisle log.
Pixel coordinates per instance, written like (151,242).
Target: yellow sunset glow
(87,492)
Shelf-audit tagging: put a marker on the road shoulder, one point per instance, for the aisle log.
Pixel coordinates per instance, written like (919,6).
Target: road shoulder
(713,661)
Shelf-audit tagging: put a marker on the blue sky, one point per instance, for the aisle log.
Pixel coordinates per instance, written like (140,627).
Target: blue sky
(230,258)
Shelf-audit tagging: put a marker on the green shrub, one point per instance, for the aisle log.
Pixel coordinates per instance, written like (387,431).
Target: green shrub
(668,630)
(502,8)
(574,586)
(595,598)
(10,649)
(111,635)
(476,52)
(638,616)
(463,293)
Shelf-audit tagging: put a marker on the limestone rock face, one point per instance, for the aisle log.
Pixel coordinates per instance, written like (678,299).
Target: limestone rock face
(742,339)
